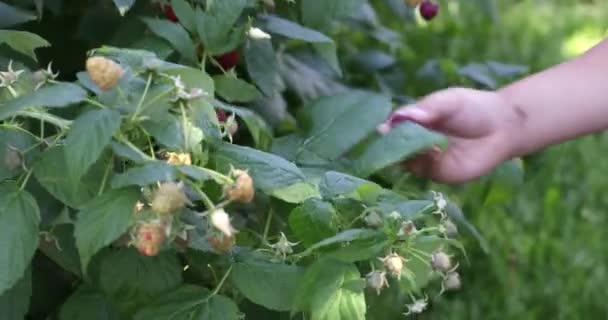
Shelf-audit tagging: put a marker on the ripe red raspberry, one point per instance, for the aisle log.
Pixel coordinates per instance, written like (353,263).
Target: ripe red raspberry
(229,60)
(170,14)
(428,9)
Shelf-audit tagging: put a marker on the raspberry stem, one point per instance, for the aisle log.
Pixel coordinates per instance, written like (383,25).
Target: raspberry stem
(142,98)
(26,179)
(221,284)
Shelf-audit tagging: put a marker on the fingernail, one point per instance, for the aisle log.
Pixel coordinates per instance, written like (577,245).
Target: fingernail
(410,113)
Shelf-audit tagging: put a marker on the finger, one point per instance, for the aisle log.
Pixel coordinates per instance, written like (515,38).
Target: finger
(429,111)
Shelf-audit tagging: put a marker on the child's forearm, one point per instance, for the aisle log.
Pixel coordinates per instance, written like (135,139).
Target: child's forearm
(561,103)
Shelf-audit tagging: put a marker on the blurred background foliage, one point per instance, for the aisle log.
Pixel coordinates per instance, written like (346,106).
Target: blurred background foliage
(542,217)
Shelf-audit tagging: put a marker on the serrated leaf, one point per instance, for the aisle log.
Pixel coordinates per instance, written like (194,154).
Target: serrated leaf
(190,302)
(103,220)
(313,221)
(333,133)
(215,26)
(326,295)
(234,89)
(262,65)
(123,5)
(23,41)
(88,303)
(10,16)
(185,14)
(132,280)
(324,45)
(269,172)
(20,216)
(89,135)
(57,95)
(13,141)
(401,143)
(175,34)
(15,302)
(50,171)
(268,284)
(145,175)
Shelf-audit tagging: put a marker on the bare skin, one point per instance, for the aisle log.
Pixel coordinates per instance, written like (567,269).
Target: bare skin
(486,128)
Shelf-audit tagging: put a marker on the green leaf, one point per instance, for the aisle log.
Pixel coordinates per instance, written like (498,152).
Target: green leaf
(20,216)
(215,26)
(14,141)
(269,172)
(321,14)
(324,45)
(142,176)
(169,131)
(89,135)
(194,78)
(57,95)
(175,34)
(408,209)
(333,133)
(401,143)
(50,172)
(132,280)
(345,236)
(178,304)
(203,116)
(297,193)
(103,220)
(325,294)
(336,184)
(313,221)
(185,14)
(130,152)
(123,5)
(88,303)
(15,302)
(234,89)
(360,250)
(61,248)
(190,302)
(10,16)
(262,65)
(268,284)
(23,41)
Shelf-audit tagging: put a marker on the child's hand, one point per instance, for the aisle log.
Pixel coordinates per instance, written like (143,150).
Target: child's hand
(482,130)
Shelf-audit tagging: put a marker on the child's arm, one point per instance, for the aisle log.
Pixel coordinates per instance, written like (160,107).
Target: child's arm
(486,128)
(564,102)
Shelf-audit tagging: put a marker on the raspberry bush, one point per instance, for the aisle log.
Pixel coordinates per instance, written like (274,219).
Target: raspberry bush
(211,160)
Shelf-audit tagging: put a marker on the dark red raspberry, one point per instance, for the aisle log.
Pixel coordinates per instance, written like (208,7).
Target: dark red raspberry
(221,115)
(428,9)
(170,14)
(228,60)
